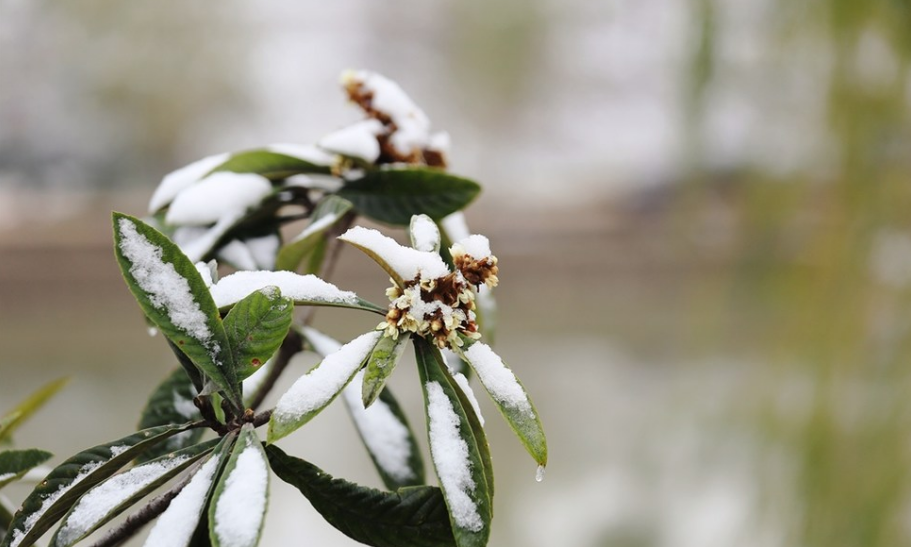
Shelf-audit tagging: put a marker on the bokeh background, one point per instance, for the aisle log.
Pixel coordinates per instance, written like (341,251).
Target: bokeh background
(701,210)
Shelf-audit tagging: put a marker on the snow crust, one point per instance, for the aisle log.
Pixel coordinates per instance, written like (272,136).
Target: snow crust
(216,196)
(357,140)
(95,504)
(233,288)
(476,246)
(384,434)
(450,456)
(167,289)
(19,534)
(424,233)
(408,263)
(197,241)
(316,388)
(242,504)
(205,271)
(500,382)
(176,181)
(238,255)
(176,525)
(306,152)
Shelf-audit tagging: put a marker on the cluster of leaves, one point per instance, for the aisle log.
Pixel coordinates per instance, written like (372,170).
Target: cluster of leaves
(232,338)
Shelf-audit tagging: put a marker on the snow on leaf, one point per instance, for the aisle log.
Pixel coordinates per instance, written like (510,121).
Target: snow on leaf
(239,506)
(176,525)
(402,263)
(305,152)
(177,181)
(218,195)
(301,288)
(450,456)
(316,389)
(357,140)
(386,437)
(425,234)
(499,381)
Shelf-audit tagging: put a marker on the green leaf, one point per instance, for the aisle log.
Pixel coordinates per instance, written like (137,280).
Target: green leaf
(413,516)
(380,365)
(329,211)
(469,501)
(15,463)
(239,503)
(394,195)
(12,419)
(509,395)
(312,392)
(424,234)
(173,295)
(171,403)
(117,494)
(395,454)
(65,483)
(272,165)
(256,327)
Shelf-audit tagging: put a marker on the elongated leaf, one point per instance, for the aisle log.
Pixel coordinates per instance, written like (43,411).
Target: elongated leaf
(510,396)
(394,195)
(170,404)
(388,437)
(112,497)
(329,211)
(66,482)
(380,365)
(12,419)
(178,524)
(455,451)
(312,392)
(173,295)
(304,290)
(15,463)
(239,503)
(413,516)
(400,262)
(256,327)
(272,165)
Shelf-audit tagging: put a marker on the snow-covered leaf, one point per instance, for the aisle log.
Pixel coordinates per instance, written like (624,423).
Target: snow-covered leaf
(304,290)
(110,498)
(412,516)
(424,233)
(388,437)
(509,395)
(12,419)
(171,403)
(316,389)
(394,195)
(15,463)
(217,196)
(238,505)
(358,140)
(271,164)
(455,450)
(400,262)
(181,179)
(256,327)
(383,427)
(65,483)
(174,296)
(329,211)
(380,365)
(176,526)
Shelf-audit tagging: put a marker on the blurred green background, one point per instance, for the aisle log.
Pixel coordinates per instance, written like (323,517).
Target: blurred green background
(701,211)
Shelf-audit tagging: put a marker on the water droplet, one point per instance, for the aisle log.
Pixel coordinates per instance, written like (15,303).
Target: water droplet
(153,331)
(539,474)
